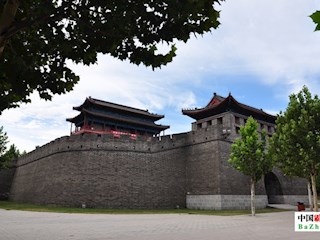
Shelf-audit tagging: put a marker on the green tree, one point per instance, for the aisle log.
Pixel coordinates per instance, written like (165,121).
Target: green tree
(11,154)
(296,144)
(316,19)
(286,160)
(248,155)
(3,148)
(37,37)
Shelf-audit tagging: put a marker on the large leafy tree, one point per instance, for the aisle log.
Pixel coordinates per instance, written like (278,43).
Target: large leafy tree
(248,155)
(287,161)
(37,37)
(296,144)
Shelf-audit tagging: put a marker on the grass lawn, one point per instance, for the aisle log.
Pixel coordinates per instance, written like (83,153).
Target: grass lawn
(37,208)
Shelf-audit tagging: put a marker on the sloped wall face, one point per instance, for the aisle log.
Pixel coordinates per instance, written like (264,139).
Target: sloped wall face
(6,177)
(208,171)
(234,182)
(291,185)
(116,175)
(203,161)
(202,169)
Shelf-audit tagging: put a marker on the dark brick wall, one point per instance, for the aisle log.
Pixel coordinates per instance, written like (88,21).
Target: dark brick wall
(202,169)
(6,177)
(103,178)
(234,182)
(291,185)
(102,171)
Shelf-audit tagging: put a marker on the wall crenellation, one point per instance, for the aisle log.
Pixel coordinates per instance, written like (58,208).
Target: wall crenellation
(124,143)
(147,172)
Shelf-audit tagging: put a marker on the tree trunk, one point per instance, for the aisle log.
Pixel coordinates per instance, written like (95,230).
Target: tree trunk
(314,190)
(7,18)
(310,196)
(253,197)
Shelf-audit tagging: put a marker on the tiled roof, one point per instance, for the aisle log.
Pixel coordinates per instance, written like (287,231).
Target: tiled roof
(115,106)
(117,119)
(220,104)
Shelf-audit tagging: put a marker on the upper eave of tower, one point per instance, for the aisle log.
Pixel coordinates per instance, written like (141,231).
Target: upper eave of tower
(80,117)
(117,107)
(219,104)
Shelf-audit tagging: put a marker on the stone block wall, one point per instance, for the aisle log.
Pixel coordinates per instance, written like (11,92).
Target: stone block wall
(221,202)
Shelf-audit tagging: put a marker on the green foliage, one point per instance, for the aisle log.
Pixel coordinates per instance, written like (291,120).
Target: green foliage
(3,141)
(7,156)
(44,35)
(3,147)
(11,154)
(248,153)
(295,147)
(316,19)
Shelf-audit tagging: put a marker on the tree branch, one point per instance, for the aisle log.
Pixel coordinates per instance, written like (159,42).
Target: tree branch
(7,18)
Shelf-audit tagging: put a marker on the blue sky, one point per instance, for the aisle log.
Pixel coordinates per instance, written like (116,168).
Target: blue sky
(263,51)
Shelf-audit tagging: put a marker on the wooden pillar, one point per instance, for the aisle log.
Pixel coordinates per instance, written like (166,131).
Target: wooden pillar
(70,128)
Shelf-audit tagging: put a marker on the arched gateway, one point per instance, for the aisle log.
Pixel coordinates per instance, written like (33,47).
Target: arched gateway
(273,188)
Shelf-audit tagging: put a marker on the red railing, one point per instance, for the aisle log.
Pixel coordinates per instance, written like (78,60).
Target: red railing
(92,130)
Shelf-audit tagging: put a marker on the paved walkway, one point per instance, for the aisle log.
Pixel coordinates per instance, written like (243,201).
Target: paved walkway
(20,225)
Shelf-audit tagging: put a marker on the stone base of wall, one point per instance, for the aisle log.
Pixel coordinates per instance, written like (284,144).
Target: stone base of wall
(219,202)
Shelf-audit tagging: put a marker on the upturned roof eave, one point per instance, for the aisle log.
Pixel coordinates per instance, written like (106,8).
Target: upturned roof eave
(120,107)
(139,123)
(194,113)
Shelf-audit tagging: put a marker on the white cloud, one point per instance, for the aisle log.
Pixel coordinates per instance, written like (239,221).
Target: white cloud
(273,41)
(111,80)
